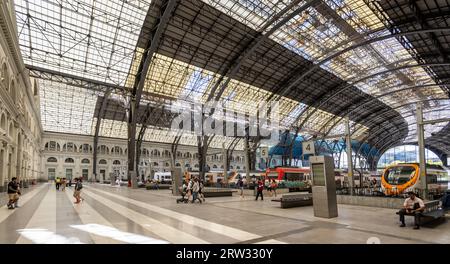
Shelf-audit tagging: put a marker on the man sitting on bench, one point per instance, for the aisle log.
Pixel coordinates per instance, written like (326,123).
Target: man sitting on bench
(412,206)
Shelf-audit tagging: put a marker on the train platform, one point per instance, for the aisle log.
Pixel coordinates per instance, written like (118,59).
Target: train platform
(122,215)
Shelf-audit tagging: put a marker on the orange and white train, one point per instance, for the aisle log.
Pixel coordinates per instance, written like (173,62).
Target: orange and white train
(405,177)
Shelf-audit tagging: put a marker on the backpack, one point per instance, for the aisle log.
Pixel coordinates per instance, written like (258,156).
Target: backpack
(260,187)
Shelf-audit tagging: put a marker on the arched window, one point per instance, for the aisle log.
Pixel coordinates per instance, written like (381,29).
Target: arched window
(104,150)
(116,162)
(196,166)
(156,153)
(5,77)
(231,167)
(11,130)
(52,159)
(214,166)
(69,147)
(167,164)
(86,148)
(85,161)
(221,166)
(103,162)
(166,153)
(179,154)
(3,122)
(155,164)
(52,146)
(238,167)
(12,90)
(177,165)
(187,165)
(69,160)
(144,152)
(117,150)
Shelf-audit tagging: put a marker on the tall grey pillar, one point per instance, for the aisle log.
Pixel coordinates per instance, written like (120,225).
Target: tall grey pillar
(421,142)
(348,140)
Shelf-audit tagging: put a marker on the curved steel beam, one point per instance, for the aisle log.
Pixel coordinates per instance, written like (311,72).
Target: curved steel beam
(326,97)
(234,67)
(350,110)
(403,105)
(100,115)
(352,47)
(151,47)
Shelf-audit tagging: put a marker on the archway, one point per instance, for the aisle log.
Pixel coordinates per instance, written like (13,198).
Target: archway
(406,153)
(3,122)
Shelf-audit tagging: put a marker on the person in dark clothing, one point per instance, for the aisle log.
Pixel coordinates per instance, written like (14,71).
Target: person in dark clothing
(13,193)
(446,200)
(259,189)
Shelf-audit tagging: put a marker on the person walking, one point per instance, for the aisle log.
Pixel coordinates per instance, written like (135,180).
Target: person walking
(63,184)
(189,188)
(195,189)
(200,190)
(241,186)
(13,193)
(274,186)
(77,191)
(58,183)
(259,189)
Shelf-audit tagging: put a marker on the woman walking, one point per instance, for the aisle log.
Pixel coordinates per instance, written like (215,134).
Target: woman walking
(77,192)
(274,187)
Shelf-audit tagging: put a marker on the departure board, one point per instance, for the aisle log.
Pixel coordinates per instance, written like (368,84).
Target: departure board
(318,174)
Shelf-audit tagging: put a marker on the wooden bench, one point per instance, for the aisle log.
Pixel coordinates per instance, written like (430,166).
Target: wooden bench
(289,200)
(431,212)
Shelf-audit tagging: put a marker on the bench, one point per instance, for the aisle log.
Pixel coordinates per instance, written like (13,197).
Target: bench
(294,200)
(152,186)
(217,192)
(431,212)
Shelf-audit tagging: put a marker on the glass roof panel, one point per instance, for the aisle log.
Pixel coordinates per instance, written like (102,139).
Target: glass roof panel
(95,39)
(67,109)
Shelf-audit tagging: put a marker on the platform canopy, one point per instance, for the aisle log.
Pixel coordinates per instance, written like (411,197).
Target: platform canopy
(321,60)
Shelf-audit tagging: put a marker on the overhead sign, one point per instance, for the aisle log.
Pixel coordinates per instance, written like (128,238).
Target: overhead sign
(264,152)
(308,148)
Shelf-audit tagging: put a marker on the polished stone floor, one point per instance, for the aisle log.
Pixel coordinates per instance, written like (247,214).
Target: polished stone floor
(122,215)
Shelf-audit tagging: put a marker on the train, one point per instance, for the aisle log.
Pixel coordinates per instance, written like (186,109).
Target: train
(287,174)
(404,177)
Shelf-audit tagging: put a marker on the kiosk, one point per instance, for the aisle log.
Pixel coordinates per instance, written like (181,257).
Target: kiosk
(323,186)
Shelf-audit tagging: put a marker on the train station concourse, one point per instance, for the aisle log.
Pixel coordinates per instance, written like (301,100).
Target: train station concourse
(224,122)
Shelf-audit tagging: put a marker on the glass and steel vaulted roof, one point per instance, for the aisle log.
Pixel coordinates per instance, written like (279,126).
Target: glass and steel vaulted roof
(104,41)
(94,39)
